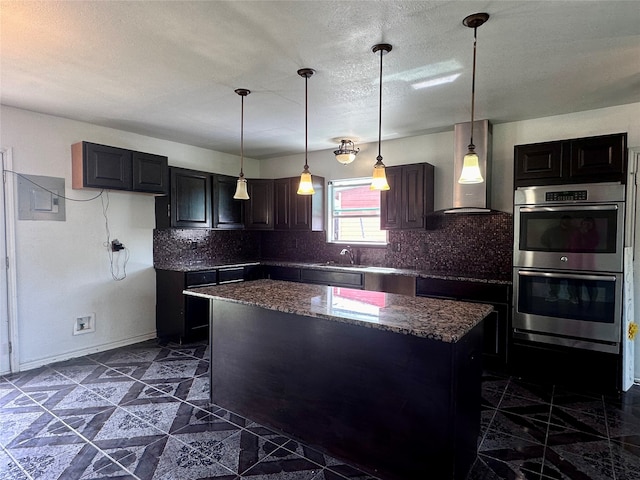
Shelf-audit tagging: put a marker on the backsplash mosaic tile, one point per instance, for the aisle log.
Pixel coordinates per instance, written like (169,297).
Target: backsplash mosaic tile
(465,245)
(198,246)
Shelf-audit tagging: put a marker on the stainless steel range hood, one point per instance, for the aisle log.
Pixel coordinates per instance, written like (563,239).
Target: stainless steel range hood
(472,198)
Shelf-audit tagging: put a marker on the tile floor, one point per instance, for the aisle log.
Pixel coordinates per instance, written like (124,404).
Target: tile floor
(142,412)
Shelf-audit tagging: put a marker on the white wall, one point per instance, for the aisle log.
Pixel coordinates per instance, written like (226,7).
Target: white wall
(62,267)
(437,149)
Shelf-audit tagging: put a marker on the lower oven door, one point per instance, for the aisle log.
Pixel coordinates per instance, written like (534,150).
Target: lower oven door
(582,310)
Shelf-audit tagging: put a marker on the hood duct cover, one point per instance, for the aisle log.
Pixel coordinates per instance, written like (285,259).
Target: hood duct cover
(476,197)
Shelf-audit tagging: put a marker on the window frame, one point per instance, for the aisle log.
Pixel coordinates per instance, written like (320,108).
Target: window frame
(346,182)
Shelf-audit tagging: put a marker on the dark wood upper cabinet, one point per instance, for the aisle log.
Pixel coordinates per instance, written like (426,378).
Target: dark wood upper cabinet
(150,173)
(410,197)
(580,160)
(228,213)
(281,203)
(113,168)
(258,212)
(298,212)
(190,202)
(603,158)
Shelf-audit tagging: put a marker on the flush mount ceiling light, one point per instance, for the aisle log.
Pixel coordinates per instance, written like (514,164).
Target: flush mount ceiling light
(379,180)
(306,185)
(346,153)
(470,167)
(241,186)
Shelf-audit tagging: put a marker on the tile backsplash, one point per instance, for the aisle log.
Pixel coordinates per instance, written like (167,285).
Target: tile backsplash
(468,245)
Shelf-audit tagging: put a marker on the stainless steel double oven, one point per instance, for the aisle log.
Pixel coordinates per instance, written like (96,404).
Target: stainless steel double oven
(568,265)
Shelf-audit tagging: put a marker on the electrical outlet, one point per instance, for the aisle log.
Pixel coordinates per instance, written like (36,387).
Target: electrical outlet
(395,247)
(84,324)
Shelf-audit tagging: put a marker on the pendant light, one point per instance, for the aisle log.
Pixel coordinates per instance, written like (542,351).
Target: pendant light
(306,185)
(346,152)
(470,167)
(241,186)
(379,180)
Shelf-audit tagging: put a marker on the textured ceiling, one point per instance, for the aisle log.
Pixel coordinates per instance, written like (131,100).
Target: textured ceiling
(169,69)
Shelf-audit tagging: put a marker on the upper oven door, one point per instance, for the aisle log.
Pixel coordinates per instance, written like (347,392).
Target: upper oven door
(584,237)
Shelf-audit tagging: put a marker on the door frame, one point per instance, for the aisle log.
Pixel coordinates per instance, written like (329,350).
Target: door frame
(8,205)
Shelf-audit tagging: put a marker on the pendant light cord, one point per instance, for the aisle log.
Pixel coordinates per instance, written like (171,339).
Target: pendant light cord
(306,120)
(473,82)
(379,159)
(242,136)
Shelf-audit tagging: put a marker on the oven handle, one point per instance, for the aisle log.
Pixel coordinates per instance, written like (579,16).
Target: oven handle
(572,276)
(570,208)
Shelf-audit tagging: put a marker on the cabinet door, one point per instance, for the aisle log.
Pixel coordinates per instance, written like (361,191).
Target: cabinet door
(259,207)
(391,200)
(537,163)
(300,207)
(227,211)
(106,167)
(150,173)
(598,159)
(413,196)
(282,201)
(190,198)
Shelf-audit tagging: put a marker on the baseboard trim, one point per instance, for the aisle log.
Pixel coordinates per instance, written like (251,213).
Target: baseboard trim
(86,351)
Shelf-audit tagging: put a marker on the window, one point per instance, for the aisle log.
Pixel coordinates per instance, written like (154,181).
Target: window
(354,213)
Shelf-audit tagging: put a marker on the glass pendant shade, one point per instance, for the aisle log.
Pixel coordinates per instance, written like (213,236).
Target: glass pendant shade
(346,153)
(306,185)
(379,180)
(470,169)
(241,189)
(345,158)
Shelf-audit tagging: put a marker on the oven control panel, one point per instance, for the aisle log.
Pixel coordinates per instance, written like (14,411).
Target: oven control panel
(566,196)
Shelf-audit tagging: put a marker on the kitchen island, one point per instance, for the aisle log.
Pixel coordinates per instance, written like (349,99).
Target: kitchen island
(388,382)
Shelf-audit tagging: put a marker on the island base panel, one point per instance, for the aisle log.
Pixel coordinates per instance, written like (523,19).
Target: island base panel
(396,405)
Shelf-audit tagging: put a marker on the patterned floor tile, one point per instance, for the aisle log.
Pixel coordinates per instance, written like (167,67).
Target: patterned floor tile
(199,458)
(139,455)
(14,422)
(192,419)
(69,428)
(199,389)
(92,396)
(142,413)
(47,461)
(589,460)
(517,426)
(139,422)
(10,470)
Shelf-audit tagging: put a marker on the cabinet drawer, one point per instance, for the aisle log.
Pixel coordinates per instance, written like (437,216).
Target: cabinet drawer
(284,273)
(209,277)
(462,290)
(336,278)
(226,275)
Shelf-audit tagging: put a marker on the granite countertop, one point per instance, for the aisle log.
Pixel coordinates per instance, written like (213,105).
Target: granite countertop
(391,271)
(200,266)
(443,320)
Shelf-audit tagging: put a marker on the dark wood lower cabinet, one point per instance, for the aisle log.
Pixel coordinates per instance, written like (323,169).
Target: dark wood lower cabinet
(497,324)
(398,406)
(186,318)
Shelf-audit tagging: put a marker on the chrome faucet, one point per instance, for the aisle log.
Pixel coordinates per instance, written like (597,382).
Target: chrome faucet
(348,251)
